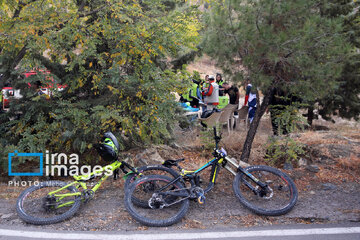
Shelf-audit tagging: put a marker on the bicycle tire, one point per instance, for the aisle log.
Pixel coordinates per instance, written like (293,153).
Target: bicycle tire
(25,215)
(183,206)
(148,170)
(280,183)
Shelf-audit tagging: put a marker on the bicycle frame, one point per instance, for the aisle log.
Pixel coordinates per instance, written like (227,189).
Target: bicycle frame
(80,182)
(220,158)
(191,175)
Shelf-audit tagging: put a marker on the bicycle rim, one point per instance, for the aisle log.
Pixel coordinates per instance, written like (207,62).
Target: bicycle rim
(279,198)
(148,170)
(35,206)
(162,211)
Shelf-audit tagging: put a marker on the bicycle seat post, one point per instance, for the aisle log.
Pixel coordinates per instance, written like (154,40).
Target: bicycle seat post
(216,138)
(180,168)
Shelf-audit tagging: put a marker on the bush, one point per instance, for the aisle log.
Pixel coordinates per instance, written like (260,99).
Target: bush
(283,150)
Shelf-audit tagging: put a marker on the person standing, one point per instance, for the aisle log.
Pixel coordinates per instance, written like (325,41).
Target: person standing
(278,105)
(250,100)
(1,101)
(220,82)
(206,82)
(233,93)
(234,96)
(211,94)
(195,94)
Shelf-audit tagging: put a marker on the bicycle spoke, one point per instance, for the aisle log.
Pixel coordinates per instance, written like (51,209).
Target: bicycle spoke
(36,206)
(163,208)
(276,196)
(160,208)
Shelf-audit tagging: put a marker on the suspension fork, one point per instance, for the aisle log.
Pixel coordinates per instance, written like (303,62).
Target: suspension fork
(253,178)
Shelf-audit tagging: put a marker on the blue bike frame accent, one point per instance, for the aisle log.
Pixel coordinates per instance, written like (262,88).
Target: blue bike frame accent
(206,165)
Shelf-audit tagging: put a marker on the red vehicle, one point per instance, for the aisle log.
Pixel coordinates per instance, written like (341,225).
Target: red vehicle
(9,92)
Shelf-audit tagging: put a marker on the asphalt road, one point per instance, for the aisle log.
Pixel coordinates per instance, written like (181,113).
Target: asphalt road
(278,232)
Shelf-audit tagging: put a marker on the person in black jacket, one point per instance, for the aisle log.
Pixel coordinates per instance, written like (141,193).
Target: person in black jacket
(232,91)
(279,102)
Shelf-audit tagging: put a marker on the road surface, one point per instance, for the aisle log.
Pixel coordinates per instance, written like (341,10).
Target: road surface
(278,232)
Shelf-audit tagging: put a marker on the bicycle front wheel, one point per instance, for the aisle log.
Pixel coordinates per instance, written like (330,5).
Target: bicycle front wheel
(278,198)
(165,208)
(36,206)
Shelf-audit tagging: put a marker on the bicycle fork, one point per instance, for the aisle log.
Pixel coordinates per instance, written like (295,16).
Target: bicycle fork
(244,171)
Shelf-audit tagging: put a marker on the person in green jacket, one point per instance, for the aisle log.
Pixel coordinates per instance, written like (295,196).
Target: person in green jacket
(220,82)
(192,95)
(1,100)
(195,94)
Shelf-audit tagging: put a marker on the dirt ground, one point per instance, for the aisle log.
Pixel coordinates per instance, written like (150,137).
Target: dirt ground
(328,184)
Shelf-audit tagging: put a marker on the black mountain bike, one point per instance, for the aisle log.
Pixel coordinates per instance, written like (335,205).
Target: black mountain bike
(163,200)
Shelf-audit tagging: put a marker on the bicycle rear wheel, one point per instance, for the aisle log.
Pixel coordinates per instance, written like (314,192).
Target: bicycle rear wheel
(278,198)
(35,206)
(163,208)
(144,171)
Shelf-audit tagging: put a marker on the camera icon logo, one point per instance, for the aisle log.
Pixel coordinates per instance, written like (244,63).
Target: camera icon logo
(28,155)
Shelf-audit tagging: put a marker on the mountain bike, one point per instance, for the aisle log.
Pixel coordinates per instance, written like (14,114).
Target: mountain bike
(55,201)
(262,189)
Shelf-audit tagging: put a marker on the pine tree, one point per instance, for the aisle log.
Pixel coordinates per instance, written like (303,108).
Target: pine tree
(285,45)
(344,101)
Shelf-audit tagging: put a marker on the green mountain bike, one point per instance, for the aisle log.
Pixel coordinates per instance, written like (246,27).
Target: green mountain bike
(262,189)
(55,201)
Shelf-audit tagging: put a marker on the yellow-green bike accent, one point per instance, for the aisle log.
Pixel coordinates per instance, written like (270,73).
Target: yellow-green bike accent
(80,183)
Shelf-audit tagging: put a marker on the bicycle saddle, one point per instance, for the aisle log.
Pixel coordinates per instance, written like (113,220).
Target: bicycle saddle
(170,163)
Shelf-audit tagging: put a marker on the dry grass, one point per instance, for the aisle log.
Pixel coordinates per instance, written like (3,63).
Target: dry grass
(350,163)
(315,138)
(335,175)
(10,192)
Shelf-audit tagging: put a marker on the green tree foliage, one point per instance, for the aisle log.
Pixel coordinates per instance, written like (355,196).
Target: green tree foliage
(281,151)
(345,98)
(284,45)
(286,118)
(112,55)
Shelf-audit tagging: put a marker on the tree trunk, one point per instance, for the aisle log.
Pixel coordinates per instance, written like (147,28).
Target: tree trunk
(12,65)
(255,123)
(310,115)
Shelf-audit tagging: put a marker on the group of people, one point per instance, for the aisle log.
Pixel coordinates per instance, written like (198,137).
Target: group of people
(212,90)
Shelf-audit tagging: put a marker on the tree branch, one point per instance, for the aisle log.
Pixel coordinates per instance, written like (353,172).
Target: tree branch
(234,35)
(92,12)
(54,68)
(257,22)
(20,7)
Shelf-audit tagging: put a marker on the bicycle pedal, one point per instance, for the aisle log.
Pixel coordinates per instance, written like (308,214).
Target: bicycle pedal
(201,200)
